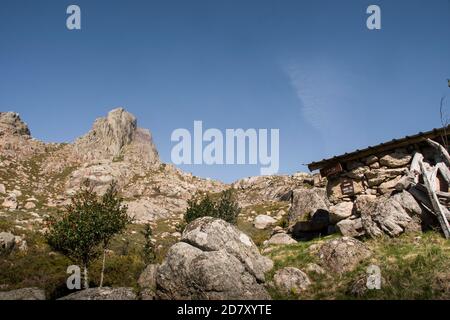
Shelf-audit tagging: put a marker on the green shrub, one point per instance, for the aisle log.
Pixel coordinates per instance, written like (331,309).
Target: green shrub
(225,207)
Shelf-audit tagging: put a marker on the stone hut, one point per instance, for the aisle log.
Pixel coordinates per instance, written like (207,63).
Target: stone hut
(376,170)
(393,187)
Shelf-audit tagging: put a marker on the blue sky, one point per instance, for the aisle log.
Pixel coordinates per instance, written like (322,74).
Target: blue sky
(309,68)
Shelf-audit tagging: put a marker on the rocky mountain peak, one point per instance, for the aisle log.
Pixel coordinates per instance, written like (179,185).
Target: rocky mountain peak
(11,124)
(116,135)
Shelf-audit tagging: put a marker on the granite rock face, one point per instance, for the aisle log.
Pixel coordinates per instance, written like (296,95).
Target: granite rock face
(11,124)
(214,260)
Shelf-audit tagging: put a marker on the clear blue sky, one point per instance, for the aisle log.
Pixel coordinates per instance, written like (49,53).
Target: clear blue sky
(310,68)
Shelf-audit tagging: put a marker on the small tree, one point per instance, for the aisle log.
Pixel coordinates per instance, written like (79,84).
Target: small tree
(225,207)
(114,219)
(88,223)
(149,247)
(76,232)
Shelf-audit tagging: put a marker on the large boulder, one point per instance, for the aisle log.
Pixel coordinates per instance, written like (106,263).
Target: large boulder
(2,188)
(190,273)
(390,215)
(209,234)
(291,281)
(147,282)
(306,203)
(343,254)
(7,242)
(263,221)
(104,293)
(214,260)
(23,294)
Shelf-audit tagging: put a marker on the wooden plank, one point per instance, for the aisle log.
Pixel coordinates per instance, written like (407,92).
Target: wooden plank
(415,167)
(443,169)
(331,170)
(443,194)
(438,208)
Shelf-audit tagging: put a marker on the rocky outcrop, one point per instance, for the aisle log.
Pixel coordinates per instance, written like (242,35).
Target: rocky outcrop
(343,254)
(306,203)
(390,215)
(254,190)
(209,234)
(112,136)
(11,124)
(214,260)
(104,293)
(147,282)
(291,281)
(23,294)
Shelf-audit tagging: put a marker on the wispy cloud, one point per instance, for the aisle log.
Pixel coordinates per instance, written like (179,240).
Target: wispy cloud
(325,91)
(333,100)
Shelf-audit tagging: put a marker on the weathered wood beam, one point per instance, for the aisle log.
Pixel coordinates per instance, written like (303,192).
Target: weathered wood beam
(415,167)
(441,149)
(443,194)
(438,208)
(445,172)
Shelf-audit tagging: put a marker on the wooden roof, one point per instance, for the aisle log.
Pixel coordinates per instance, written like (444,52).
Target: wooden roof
(379,148)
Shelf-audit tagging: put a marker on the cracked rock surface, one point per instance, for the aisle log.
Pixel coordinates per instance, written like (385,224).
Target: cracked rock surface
(213,260)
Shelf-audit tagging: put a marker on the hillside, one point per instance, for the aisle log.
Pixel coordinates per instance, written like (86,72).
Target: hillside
(37,180)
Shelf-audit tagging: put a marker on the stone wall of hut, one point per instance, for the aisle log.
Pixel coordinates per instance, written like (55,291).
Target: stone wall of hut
(376,174)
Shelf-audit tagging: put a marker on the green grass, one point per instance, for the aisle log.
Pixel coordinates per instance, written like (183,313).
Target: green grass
(411,268)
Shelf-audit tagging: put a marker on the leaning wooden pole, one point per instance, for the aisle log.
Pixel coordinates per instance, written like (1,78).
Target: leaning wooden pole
(437,207)
(441,149)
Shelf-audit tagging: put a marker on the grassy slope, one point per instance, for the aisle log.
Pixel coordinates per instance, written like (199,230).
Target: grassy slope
(412,266)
